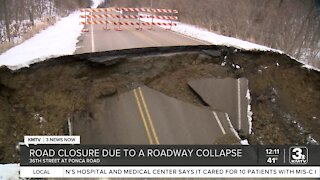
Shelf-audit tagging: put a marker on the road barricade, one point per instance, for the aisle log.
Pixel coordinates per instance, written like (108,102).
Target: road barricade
(107,17)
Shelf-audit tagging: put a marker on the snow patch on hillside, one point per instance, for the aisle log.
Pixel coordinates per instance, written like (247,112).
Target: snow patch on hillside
(57,40)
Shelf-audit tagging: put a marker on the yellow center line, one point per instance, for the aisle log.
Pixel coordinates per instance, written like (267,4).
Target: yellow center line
(145,37)
(149,117)
(142,116)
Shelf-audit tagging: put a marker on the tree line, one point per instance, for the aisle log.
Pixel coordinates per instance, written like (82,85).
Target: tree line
(290,25)
(16,11)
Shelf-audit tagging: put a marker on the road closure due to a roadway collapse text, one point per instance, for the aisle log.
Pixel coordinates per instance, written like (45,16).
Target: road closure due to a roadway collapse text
(130,152)
(164,155)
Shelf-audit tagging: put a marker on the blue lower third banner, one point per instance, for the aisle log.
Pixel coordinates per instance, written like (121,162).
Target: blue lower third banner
(168,161)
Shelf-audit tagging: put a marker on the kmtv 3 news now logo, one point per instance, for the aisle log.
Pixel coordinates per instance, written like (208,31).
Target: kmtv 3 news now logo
(298,155)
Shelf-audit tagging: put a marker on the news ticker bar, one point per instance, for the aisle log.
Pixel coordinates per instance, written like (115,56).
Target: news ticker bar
(167,155)
(171,172)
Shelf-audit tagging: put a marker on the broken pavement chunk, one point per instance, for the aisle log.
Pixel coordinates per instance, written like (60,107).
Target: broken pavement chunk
(146,116)
(227,95)
(213,53)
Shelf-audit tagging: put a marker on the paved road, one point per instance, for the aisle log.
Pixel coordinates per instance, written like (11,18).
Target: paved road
(227,95)
(146,116)
(98,39)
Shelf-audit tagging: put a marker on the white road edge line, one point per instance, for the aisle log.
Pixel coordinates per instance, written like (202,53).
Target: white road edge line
(218,120)
(239,104)
(231,126)
(92,39)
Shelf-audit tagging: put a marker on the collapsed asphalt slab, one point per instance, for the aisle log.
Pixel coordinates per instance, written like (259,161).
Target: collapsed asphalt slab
(39,100)
(146,116)
(227,95)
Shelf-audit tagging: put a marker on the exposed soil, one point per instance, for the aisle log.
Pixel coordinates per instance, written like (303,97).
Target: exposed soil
(40,99)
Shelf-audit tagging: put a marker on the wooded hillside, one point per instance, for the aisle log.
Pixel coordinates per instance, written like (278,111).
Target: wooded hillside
(14,12)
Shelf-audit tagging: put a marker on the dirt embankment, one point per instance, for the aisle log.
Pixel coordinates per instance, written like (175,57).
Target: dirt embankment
(40,99)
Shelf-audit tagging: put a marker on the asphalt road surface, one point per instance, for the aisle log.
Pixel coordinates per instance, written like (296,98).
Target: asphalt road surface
(98,39)
(227,95)
(146,116)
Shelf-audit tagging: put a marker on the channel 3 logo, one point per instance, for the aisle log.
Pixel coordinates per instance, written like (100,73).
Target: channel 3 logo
(298,155)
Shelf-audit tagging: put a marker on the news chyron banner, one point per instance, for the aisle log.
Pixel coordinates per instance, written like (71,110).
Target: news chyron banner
(65,157)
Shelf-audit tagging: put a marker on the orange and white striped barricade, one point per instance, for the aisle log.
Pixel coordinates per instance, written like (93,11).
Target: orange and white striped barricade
(152,10)
(85,13)
(126,23)
(100,16)
(89,13)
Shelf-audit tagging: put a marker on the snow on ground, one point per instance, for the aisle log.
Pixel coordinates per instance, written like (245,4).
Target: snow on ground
(9,171)
(213,38)
(244,142)
(216,39)
(249,112)
(57,40)
(309,66)
(96,3)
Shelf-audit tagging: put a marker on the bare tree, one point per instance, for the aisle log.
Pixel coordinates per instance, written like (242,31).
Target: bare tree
(6,18)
